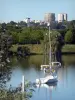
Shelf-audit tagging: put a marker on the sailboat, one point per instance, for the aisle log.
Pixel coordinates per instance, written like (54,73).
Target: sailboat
(48,86)
(51,78)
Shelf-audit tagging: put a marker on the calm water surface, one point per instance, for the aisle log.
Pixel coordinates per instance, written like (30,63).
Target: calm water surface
(30,67)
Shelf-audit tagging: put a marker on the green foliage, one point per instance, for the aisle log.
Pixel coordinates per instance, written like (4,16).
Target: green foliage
(56,40)
(68,48)
(15,37)
(62,32)
(23,51)
(5,44)
(16,93)
(34,48)
(71,24)
(69,37)
(30,36)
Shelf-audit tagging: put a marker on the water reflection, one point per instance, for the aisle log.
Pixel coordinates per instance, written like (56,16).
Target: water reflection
(68,59)
(44,91)
(25,63)
(30,68)
(48,86)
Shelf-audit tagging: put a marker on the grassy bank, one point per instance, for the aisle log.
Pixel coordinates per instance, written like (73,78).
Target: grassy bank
(34,49)
(38,48)
(68,49)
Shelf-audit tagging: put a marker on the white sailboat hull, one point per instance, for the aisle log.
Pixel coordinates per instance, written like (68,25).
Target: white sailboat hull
(48,79)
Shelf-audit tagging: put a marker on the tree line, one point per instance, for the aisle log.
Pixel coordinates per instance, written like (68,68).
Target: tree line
(14,33)
(35,34)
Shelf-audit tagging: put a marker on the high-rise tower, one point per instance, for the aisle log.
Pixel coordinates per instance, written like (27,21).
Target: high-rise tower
(49,17)
(62,17)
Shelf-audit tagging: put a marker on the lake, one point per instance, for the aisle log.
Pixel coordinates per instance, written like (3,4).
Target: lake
(30,68)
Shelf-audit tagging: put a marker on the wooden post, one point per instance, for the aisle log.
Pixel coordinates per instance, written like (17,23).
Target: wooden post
(23,79)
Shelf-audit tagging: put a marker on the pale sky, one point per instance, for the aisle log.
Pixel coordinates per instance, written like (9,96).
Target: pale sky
(17,10)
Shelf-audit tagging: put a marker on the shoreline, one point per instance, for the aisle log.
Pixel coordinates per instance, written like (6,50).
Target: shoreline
(38,49)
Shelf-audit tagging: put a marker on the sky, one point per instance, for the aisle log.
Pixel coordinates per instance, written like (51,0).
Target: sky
(17,10)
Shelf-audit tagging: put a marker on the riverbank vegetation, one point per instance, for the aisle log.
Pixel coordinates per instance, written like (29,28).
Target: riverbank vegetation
(38,49)
(68,49)
(33,48)
(17,93)
(36,36)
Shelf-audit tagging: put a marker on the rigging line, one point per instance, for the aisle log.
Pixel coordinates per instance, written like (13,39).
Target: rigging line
(45,49)
(50,48)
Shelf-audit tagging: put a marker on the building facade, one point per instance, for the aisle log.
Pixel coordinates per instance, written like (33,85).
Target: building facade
(49,17)
(65,17)
(62,17)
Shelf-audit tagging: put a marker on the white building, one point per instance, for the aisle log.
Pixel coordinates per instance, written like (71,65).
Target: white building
(27,20)
(37,21)
(65,16)
(62,17)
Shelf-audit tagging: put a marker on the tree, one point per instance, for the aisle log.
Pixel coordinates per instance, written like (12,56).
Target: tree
(5,44)
(23,51)
(16,93)
(56,40)
(15,37)
(69,37)
(22,24)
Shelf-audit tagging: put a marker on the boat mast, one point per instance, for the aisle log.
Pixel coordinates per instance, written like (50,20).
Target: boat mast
(50,48)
